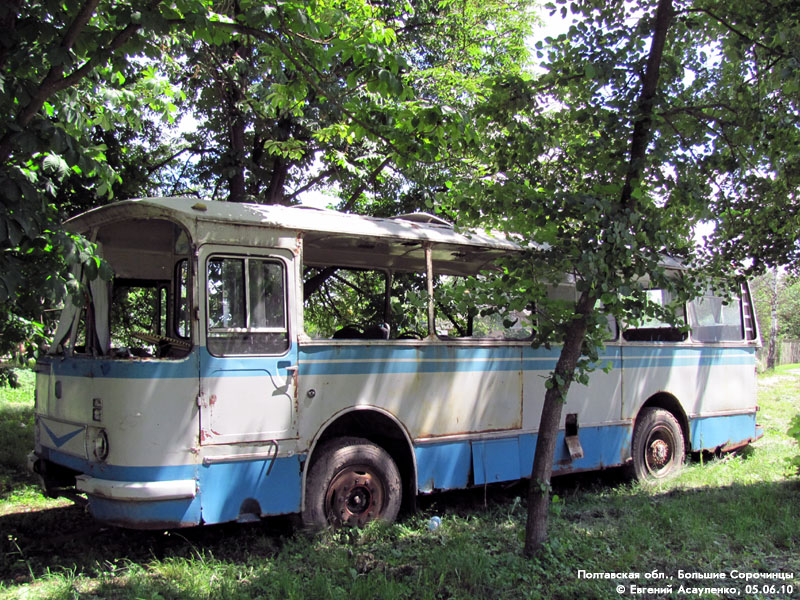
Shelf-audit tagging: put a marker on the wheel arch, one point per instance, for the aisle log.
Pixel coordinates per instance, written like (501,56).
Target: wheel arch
(379,427)
(670,403)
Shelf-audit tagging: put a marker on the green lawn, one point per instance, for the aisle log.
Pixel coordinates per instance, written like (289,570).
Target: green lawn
(738,513)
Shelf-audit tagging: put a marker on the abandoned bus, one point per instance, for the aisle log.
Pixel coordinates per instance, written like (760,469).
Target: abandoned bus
(250,360)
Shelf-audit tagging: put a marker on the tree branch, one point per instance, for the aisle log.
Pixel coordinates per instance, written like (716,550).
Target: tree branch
(55,80)
(348,207)
(641,128)
(733,29)
(309,185)
(155,167)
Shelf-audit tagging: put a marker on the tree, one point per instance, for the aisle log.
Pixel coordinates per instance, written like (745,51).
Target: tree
(354,98)
(66,82)
(348,85)
(776,296)
(641,126)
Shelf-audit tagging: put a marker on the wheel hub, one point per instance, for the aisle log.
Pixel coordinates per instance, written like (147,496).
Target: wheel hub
(658,454)
(355,496)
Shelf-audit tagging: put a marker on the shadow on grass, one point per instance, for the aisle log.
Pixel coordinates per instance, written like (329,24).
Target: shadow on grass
(68,539)
(680,528)
(758,519)
(16,434)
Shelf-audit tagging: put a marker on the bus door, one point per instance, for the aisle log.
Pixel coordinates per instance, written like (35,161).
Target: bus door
(248,364)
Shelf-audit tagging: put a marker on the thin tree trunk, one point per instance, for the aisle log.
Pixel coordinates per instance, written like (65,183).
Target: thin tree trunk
(539,486)
(772,352)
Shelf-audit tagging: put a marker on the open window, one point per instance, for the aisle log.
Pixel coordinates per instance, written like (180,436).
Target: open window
(136,313)
(139,315)
(349,303)
(465,310)
(653,329)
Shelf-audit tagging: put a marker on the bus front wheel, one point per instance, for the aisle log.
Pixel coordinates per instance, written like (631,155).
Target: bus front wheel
(351,482)
(658,445)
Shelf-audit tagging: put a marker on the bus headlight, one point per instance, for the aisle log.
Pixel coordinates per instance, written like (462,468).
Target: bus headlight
(101,445)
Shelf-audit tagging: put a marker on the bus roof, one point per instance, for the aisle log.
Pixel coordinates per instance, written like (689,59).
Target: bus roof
(397,242)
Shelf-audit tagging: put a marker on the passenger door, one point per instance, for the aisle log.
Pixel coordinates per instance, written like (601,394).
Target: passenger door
(248,362)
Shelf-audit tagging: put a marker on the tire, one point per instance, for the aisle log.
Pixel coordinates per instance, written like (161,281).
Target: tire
(658,445)
(350,483)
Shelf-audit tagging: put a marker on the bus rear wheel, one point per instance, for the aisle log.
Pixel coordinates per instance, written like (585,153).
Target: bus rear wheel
(350,483)
(658,445)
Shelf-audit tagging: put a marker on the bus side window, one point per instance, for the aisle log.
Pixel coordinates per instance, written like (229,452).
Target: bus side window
(652,329)
(713,319)
(246,310)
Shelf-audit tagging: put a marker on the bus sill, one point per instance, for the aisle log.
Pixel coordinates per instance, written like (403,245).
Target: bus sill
(737,445)
(141,491)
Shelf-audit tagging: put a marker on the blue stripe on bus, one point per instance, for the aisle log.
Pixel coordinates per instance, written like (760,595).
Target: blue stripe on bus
(364,360)
(385,358)
(128,368)
(223,487)
(242,366)
(120,472)
(433,358)
(447,465)
(638,357)
(713,432)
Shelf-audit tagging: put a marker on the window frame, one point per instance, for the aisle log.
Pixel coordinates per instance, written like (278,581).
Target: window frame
(232,332)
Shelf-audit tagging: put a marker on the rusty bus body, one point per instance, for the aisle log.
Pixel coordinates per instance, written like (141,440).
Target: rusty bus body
(232,409)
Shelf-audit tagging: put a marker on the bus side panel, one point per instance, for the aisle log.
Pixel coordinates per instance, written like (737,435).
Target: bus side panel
(712,383)
(228,490)
(163,514)
(148,410)
(471,392)
(447,465)
(434,390)
(722,431)
(443,465)
(596,405)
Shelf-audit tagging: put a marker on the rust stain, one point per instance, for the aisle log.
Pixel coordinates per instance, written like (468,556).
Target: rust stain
(625,451)
(425,434)
(149,525)
(213,400)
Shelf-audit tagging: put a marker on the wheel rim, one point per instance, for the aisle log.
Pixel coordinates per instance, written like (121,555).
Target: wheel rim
(354,497)
(659,451)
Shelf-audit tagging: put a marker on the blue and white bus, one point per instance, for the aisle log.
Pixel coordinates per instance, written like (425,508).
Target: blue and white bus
(250,360)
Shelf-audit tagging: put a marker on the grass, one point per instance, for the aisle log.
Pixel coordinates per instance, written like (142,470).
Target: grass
(737,512)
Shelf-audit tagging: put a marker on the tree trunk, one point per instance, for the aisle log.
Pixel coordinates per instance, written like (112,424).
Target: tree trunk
(772,352)
(539,486)
(236,187)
